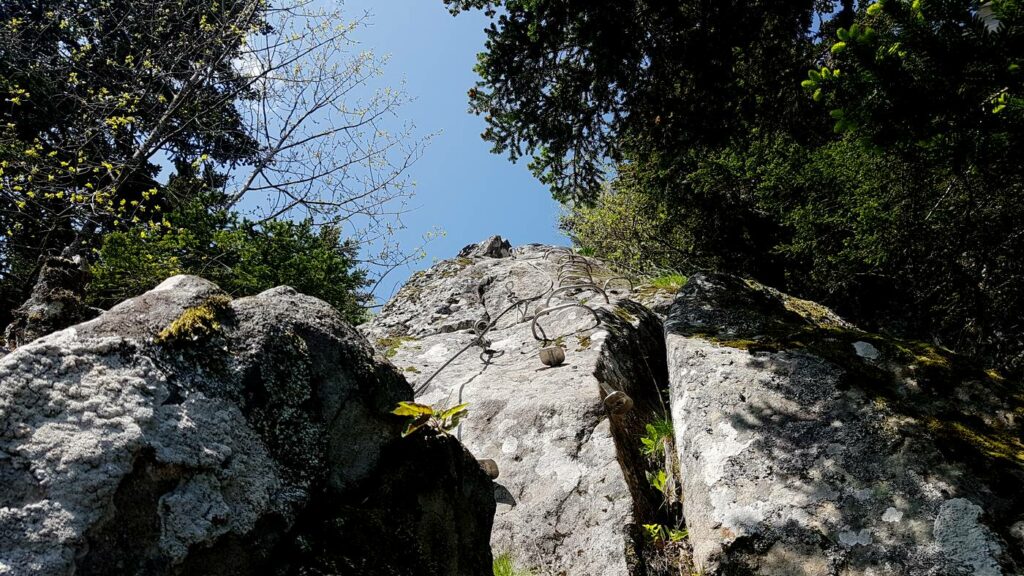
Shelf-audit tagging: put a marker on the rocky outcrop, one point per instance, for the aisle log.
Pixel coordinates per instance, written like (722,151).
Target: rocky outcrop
(183,432)
(493,247)
(571,489)
(803,446)
(809,447)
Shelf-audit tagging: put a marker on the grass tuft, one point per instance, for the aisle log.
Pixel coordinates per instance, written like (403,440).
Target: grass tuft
(671,282)
(505,566)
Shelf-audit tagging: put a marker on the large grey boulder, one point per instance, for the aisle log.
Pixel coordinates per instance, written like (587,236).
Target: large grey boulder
(808,447)
(571,489)
(183,432)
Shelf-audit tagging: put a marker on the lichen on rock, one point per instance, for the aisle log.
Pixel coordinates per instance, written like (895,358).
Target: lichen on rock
(254,438)
(802,436)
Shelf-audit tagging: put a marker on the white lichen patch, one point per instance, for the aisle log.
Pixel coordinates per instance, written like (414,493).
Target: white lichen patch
(727,446)
(436,352)
(965,542)
(851,538)
(866,350)
(892,515)
(510,445)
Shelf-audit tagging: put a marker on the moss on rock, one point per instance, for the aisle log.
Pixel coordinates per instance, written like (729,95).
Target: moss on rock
(196,322)
(391,344)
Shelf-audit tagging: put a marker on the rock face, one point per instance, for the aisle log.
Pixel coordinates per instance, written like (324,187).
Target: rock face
(185,433)
(572,489)
(809,447)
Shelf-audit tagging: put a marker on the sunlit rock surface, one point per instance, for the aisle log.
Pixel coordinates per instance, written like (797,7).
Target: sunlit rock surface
(571,487)
(185,433)
(809,447)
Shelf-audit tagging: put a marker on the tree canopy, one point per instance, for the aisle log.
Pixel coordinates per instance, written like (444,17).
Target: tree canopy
(117,117)
(866,154)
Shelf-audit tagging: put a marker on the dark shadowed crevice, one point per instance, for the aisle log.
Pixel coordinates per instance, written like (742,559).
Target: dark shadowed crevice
(633,360)
(131,531)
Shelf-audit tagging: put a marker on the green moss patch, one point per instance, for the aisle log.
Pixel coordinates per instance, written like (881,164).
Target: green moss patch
(584,342)
(624,314)
(994,444)
(197,322)
(391,345)
(671,282)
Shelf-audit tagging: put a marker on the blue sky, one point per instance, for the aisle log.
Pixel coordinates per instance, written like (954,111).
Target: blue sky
(461,186)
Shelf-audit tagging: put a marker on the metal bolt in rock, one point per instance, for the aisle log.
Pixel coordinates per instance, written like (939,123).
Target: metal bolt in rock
(616,401)
(490,467)
(620,278)
(481,327)
(552,356)
(543,335)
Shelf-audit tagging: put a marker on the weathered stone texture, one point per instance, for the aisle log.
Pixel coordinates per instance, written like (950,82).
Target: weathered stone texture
(254,440)
(567,502)
(809,447)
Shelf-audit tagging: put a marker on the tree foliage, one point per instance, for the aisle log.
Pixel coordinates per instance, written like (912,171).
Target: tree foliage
(241,256)
(578,83)
(117,114)
(864,154)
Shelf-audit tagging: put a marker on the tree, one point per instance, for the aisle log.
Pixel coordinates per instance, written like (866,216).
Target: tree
(204,238)
(578,84)
(889,189)
(267,104)
(93,91)
(936,89)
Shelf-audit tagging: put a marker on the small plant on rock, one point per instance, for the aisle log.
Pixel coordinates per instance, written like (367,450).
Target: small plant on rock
(658,480)
(420,415)
(671,282)
(661,534)
(653,442)
(505,566)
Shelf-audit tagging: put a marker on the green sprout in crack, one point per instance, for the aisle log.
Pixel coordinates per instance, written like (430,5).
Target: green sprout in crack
(658,433)
(504,565)
(661,534)
(420,415)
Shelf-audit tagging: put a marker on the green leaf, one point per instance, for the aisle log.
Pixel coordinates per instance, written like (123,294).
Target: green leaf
(838,47)
(836,113)
(451,417)
(654,532)
(843,34)
(455,410)
(416,425)
(875,9)
(649,446)
(999,108)
(818,95)
(657,480)
(456,420)
(809,84)
(413,409)
(676,535)
(814,75)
